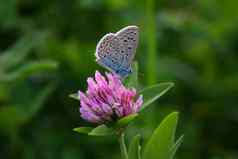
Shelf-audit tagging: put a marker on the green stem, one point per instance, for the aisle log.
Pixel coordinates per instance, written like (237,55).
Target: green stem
(123,146)
(151,41)
(139,152)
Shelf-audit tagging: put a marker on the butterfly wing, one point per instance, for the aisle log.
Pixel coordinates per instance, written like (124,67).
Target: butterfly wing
(128,39)
(107,53)
(116,51)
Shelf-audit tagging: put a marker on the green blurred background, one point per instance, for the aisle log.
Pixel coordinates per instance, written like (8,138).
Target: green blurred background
(47,52)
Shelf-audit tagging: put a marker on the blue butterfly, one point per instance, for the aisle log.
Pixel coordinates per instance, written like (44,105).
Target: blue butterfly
(116,51)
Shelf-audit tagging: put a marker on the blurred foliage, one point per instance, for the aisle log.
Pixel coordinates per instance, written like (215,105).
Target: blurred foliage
(47,51)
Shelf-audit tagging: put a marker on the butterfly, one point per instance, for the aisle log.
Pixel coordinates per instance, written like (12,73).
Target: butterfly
(116,51)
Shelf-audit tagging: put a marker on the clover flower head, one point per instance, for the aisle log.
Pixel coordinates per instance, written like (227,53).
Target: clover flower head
(107,99)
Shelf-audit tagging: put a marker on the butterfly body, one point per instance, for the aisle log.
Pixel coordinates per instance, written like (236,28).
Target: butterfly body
(116,51)
(122,71)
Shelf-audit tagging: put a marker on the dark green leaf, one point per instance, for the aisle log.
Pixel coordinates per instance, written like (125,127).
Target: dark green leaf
(150,94)
(101,130)
(175,147)
(16,54)
(83,130)
(134,148)
(123,122)
(160,143)
(29,69)
(11,118)
(37,100)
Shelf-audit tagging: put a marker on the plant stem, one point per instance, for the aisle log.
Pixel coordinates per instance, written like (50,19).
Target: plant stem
(139,152)
(151,41)
(123,146)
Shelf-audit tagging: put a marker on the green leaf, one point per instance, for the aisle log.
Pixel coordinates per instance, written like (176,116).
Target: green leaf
(11,118)
(123,122)
(161,141)
(8,14)
(150,94)
(14,116)
(29,69)
(37,101)
(16,54)
(74,96)
(175,147)
(132,80)
(83,130)
(134,148)
(101,130)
